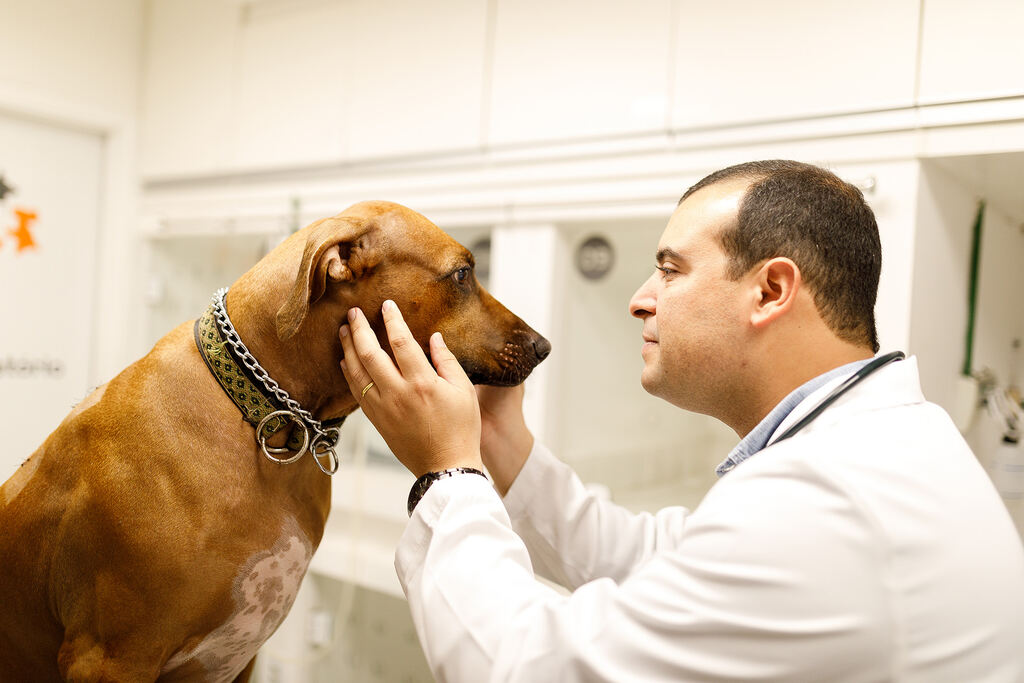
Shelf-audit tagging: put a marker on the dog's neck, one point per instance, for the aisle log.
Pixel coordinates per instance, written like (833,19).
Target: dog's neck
(307,365)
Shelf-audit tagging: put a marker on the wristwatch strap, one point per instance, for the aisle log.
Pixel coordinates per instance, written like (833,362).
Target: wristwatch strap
(419,489)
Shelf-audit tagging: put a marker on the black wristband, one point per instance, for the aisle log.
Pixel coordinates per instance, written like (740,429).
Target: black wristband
(419,489)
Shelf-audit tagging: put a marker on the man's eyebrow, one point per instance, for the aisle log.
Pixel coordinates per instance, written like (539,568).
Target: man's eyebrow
(666,253)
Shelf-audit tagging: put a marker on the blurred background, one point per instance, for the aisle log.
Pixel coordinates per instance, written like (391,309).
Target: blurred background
(152,150)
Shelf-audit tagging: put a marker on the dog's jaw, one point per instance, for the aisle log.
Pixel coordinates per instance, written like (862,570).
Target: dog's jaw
(513,364)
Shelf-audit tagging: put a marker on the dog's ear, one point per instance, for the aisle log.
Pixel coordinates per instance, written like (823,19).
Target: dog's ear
(325,258)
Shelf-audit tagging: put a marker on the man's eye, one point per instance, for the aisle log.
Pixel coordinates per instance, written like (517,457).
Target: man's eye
(664,270)
(461,275)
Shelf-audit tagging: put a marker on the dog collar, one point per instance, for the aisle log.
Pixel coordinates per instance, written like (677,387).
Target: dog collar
(235,368)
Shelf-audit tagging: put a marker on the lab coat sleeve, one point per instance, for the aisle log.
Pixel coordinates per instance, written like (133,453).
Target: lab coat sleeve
(574,536)
(769,587)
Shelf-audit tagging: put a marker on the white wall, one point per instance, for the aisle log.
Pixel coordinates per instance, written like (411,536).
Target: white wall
(73,66)
(82,53)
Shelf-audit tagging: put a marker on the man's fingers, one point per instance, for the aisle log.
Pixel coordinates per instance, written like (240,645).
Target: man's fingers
(351,367)
(446,363)
(367,351)
(410,357)
(365,361)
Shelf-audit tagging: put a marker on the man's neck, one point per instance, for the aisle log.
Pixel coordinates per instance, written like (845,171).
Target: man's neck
(782,374)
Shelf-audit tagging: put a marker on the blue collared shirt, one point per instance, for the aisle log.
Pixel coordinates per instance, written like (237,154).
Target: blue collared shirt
(757,439)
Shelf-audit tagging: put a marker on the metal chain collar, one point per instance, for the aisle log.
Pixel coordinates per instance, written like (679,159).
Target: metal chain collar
(324,440)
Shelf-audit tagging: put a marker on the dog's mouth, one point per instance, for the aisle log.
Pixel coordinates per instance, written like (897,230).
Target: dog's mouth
(510,366)
(509,377)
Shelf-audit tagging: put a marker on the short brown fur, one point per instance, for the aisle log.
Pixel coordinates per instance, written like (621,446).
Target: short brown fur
(122,534)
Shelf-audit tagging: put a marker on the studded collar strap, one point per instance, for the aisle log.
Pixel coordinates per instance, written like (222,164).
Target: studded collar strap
(234,378)
(262,401)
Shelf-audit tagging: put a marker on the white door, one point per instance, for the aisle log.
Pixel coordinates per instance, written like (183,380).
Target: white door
(49,222)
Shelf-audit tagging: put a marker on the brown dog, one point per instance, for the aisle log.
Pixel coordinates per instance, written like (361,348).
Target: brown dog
(148,537)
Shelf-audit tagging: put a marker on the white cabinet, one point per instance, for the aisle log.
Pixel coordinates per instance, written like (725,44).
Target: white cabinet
(234,87)
(578,68)
(740,61)
(416,71)
(230,86)
(971,50)
(237,85)
(328,82)
(289,93)
(185,123)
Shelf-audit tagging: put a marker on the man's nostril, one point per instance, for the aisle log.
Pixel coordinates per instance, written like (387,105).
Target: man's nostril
(541,347)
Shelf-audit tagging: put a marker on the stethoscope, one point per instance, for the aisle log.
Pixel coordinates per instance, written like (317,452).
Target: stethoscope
(850,382)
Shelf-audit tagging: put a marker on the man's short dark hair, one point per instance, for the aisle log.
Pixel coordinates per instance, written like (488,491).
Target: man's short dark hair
(823,224)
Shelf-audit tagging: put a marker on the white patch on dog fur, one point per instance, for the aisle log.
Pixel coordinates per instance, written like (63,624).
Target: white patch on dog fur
(263,592)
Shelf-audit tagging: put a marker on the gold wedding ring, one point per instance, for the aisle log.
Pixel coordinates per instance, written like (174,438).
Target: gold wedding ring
(365,389)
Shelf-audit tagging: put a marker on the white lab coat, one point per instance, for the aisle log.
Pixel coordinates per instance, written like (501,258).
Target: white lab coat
(870,547)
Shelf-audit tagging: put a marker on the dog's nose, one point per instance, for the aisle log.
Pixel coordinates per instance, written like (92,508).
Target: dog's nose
(541,348)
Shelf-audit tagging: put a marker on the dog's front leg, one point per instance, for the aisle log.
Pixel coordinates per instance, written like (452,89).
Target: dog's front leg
(85,660)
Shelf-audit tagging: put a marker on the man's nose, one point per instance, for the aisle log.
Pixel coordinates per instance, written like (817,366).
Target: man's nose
(644,301)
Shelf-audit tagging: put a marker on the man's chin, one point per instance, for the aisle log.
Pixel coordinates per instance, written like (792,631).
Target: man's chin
(648,381)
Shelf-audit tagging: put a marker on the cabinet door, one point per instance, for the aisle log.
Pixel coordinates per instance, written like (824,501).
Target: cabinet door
(48,259)
(185,124)
(972,50)
(416,74)
(290,85)
(740,61)
(578,68)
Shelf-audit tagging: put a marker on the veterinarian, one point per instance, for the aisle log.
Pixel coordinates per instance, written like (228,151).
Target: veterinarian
(852,535)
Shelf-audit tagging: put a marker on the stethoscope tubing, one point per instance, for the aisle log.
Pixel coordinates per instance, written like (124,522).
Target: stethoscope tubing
(850,382)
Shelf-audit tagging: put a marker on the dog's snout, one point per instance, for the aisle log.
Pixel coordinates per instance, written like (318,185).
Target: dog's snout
(541,348)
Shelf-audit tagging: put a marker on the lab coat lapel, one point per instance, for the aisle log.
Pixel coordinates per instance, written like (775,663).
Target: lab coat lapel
(893,385)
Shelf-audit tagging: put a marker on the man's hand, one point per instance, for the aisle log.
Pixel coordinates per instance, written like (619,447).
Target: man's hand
(505,440)
(430,420)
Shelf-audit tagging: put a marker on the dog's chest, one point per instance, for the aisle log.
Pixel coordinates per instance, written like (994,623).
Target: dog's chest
(263,592)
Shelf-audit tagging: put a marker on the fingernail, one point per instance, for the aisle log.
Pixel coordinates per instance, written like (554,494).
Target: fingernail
(388,306)
(344,330)
(344,368)
(352,314)
(440,339)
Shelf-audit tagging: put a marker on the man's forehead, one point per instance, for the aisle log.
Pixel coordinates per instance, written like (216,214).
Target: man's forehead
(717,202)
(704,214)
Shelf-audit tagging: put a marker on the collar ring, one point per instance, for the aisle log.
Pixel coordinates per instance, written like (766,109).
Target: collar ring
(272,452)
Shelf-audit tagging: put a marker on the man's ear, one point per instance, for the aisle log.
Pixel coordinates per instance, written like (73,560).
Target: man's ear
(778,281)
(325,259)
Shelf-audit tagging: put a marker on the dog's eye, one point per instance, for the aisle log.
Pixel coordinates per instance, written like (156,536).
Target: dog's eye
(461,275)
